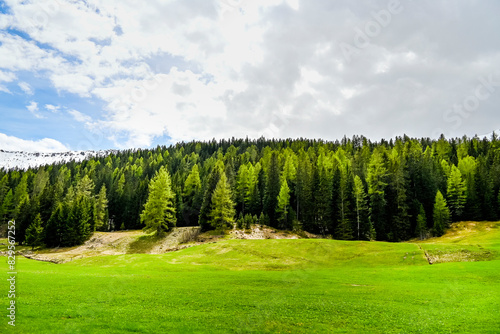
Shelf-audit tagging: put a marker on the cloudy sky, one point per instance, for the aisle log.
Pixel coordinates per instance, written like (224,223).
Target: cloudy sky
(99,74)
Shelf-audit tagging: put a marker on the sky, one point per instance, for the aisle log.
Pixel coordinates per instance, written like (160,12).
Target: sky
(118,74)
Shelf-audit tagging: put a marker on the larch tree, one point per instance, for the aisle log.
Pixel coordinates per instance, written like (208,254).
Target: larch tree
(377,182)
(159,211)
(243,184)
(101,210)
(21,194)
(40,181)
(283,205)
(222,209)
(289,168)
(254,195)
(468,169)
(441,214)
(361,208)
(456,193)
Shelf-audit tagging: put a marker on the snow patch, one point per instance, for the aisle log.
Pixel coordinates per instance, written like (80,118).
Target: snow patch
(24,160)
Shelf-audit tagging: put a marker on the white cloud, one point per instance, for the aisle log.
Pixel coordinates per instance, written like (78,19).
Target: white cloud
(7,76)
(253,67)
(52,108)
(33,108)
(179,104)
(79,117)
(73,82)
(25,87)
(5,89)
(11,143)
(18,54)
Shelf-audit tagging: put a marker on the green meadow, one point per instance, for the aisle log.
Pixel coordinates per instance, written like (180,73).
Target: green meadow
(270,286)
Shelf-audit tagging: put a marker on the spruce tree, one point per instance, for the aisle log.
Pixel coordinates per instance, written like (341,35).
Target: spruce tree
(26,214)
(400,219)
(304,190)
(34,233)
(56,226)
(4,188)
(323,196)
(273,186)
(192,196)
(159,211)
(7,207)
(345,194)
(211,184)
(421,229)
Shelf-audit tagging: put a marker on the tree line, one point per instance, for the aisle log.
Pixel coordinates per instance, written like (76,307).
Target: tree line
(352,189)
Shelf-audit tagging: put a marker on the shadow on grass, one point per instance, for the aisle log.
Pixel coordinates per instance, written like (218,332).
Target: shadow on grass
(144,244)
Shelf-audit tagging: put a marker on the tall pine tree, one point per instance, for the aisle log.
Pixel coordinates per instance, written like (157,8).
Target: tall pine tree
(273,186)
(34,233)
(377,182)
(441,214)
(283,205)
(222,208)
(101,210)
(456,193)
(159,211)
(361,207)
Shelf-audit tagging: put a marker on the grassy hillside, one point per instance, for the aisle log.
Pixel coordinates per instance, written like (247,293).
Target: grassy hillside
(264,286)
(465,242)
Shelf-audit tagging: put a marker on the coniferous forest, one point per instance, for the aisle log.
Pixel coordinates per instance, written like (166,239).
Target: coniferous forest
(350,189)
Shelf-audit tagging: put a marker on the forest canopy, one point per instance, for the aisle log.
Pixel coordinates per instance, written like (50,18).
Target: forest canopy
(350,189)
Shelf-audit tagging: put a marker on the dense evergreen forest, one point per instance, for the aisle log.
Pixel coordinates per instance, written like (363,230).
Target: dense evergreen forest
(350,189)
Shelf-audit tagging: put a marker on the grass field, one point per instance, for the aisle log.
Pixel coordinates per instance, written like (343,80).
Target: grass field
(264,286)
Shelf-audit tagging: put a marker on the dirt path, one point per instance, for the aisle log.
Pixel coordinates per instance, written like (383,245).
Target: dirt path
(117,243)
(132,242)
(426,255)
